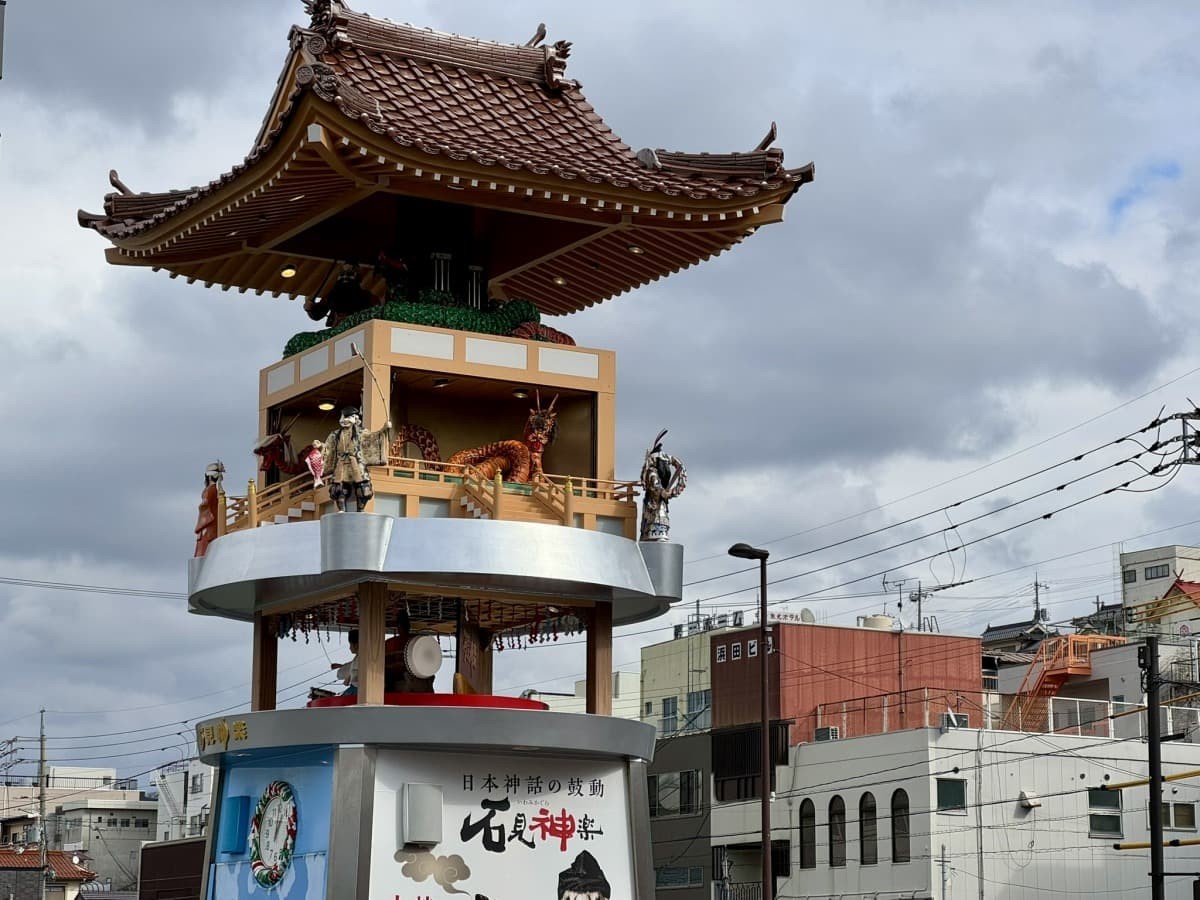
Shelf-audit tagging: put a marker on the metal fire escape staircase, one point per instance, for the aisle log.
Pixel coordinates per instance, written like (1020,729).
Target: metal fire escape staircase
(174,809)
(1058,659)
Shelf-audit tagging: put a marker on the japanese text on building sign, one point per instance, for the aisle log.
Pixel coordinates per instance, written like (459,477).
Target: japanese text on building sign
(532,785)
(219,734)
(496,832)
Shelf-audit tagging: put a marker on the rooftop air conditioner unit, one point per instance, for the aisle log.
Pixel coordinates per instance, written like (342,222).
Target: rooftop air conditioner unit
(738,618)
(827,733)
(954,720)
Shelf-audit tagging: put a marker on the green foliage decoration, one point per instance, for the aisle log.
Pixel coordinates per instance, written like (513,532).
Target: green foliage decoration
(431,309)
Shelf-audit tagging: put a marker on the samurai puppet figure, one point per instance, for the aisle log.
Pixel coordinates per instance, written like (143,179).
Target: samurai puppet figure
(663,479)
(346,454)
(206,521)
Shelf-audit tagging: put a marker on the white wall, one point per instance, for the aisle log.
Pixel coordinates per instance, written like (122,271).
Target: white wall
(625,698)
(174,821)
(1046,851)
(1179,559)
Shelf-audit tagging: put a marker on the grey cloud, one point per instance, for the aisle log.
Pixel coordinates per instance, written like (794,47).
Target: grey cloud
(944,259)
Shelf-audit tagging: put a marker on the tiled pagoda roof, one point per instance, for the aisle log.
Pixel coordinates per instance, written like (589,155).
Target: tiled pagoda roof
(501,111)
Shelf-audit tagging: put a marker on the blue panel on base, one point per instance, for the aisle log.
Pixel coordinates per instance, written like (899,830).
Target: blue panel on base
(235,820)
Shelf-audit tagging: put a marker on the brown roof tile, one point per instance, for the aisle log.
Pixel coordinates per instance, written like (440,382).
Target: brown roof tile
(59,862)
(498,105)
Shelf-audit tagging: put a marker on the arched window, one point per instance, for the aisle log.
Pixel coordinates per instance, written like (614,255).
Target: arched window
(808,835)
(900,846)
(868,830)
(837,832)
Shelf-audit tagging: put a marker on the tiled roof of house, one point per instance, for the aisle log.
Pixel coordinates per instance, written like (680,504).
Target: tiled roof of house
(1015,629)
(502,106)
(59,862)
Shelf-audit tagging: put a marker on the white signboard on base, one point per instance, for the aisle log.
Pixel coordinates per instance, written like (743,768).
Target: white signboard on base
(511,827)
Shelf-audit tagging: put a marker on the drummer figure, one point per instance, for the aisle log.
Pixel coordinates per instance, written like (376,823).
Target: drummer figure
(398,676)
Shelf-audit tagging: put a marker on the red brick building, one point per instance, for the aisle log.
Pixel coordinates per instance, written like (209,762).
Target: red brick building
(864,680)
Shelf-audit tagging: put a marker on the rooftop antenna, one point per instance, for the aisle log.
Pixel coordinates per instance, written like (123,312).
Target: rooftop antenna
(3,3)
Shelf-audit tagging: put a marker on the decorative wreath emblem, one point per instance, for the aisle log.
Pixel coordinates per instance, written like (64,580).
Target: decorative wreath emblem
(273,833)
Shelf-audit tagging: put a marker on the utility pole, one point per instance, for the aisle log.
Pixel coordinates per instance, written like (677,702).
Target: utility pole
(945,874)
(1038,587)
(42,802)
(1148,662)
(2,3)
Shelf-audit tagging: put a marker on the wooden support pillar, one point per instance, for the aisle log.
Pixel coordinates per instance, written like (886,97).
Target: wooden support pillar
(372,608)
(599,660)
(265,665)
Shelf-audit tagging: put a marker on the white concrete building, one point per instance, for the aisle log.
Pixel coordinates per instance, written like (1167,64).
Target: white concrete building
(626,693)
(108,833)
(1147,574)
(928,813)
(184,799)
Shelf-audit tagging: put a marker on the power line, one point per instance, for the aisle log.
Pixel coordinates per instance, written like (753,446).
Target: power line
(971,472)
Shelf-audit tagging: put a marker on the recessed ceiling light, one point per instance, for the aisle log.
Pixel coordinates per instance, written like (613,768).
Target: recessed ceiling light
(559,280)
(326,405)
(635,249)
(288,271)
(521,393)
(440,382)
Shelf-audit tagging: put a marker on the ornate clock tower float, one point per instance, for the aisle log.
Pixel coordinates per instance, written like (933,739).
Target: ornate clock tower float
(430,198)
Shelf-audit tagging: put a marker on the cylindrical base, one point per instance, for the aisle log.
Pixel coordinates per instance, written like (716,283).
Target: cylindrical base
(427,802)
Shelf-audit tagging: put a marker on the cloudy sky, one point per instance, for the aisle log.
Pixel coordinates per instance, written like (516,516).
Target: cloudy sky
(993,272)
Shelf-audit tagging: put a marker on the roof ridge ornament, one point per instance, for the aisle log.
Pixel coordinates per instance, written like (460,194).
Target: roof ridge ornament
(328,19)
(767,141)
(538,36)
(556,64)
(115,180)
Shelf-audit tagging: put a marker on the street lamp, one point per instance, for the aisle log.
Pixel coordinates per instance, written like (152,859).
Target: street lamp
(745,551)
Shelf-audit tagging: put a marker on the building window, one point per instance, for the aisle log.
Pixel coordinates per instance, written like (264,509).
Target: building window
(736,652)
(124,823)
(1104,813)
(699,711)
(781,858)
(668,877)
(112,823)
(951,795)
(1157,571)
(752,648)
(197,782)
(669,723)
(649,707)
(837,832)
(1129,576)
(900,834)
(868,830)
(808,835)
(1179,816)
(736,761)
(720,653)
(674,793)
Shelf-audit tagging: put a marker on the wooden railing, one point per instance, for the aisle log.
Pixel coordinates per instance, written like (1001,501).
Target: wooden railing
(558,501)
(597,488)
(487,495)
(425,470)
(556,493)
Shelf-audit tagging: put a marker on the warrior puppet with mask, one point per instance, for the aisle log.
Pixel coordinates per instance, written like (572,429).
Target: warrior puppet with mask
(346,454)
